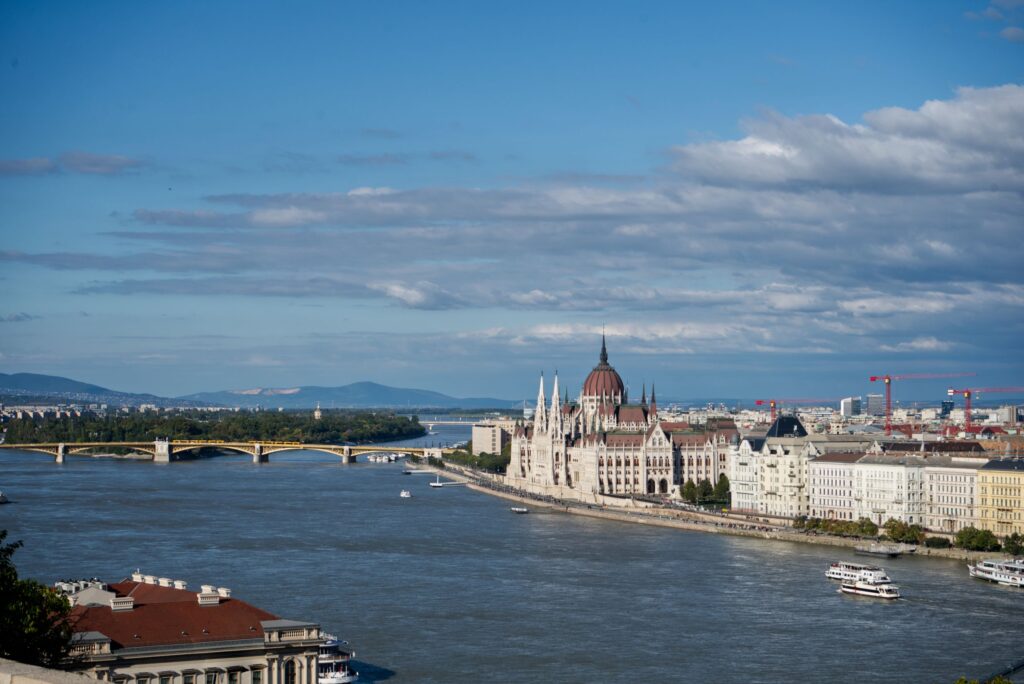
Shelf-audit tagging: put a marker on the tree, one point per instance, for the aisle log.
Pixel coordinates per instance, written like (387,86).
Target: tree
(33,617)
(690,491)
(973,539)
(899,531)
(1014,544)
(866,528)
(722,488)
(704,490)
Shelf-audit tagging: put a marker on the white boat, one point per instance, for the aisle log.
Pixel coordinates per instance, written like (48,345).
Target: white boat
(334,666)
(887,550)
(519,509)
(3,498)
(857,572)
(1008,572)
(437,482)
(406,494)
(882,591)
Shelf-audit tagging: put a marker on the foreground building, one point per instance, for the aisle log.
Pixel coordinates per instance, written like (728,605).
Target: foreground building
(148,630)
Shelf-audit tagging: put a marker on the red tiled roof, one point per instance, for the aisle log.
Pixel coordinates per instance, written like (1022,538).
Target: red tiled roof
(616,440)
(632,414)
(668,426)
(165,616)
(679,439)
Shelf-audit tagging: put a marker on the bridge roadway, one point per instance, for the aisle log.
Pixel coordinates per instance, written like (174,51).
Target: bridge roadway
(165,451)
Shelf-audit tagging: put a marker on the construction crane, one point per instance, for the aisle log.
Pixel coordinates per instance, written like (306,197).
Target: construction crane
(773,403)
(888,379)
(967,394)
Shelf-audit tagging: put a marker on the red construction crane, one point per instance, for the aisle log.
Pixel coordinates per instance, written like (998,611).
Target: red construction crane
(773,403)
(887,379)
(968,393)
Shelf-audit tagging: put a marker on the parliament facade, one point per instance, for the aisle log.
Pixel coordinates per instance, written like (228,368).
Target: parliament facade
(601,445)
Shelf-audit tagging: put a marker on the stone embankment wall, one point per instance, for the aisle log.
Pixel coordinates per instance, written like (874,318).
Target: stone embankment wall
(613,508)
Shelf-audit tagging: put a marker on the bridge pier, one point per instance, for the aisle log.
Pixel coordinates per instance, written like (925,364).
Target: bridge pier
(163,452)
(62,451)
(347,456)
(258,456)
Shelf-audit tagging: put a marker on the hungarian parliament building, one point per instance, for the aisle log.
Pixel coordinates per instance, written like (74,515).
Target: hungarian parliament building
(600,444)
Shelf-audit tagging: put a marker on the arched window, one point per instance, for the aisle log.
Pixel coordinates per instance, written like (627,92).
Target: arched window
(289,672)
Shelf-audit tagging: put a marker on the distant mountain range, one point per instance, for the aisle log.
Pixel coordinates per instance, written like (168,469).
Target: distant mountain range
(355,395)
(35,387)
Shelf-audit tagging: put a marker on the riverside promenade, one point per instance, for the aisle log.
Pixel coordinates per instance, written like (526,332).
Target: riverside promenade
(664,516)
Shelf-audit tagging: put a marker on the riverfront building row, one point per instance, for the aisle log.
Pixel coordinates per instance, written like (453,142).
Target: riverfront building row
(601,448)
(942,486)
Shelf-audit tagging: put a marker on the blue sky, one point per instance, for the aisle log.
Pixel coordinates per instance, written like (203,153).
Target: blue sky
(754,199)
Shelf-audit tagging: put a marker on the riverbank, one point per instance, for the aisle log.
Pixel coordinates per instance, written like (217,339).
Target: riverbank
(678,519)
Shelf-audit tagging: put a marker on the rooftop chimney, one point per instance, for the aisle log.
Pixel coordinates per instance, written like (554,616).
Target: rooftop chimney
(224,592)
(180,584)
(164,581)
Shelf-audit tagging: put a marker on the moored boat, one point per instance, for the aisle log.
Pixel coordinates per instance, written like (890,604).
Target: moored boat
(886,550)
(334,662)
(882,591)
(406,494)
(857,572)
(1008,571)
(519,509)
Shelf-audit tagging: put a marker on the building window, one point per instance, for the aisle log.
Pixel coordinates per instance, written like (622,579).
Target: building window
(234,677)
(188,679)
(289,672)
(166,679)
(211,678)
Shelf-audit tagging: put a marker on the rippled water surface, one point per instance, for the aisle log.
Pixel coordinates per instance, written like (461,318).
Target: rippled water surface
(448,586)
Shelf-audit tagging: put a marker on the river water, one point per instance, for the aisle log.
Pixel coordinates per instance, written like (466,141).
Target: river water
(449,586)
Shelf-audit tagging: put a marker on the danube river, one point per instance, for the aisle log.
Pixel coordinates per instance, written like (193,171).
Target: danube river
(449,586)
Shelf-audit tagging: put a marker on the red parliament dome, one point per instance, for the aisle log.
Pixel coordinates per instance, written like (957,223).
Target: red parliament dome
(603,380)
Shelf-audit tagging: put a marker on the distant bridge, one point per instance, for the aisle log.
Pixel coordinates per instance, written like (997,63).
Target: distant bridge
(165,451)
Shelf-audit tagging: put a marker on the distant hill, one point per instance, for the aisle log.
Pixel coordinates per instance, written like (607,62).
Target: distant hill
(355,395)
(35,387)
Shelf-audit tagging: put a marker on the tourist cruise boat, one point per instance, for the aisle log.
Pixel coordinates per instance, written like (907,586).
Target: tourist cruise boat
(882,591)
(857,572)
(334,666)
(1009,571)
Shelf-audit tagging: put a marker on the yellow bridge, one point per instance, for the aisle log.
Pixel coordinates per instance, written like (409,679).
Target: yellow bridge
(165,451)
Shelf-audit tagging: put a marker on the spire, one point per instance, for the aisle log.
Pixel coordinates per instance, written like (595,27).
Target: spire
(643,395)
(604,350)
(654,404)
(538,413)
(555,417)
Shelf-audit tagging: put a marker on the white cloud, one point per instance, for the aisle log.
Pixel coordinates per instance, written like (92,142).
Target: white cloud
(920,344)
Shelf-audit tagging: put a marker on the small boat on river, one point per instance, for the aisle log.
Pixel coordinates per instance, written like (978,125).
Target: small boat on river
(437,482)
(519,509)
(882,591)
(406,494)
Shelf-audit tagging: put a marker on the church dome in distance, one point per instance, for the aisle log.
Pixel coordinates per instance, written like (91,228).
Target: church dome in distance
(603,380)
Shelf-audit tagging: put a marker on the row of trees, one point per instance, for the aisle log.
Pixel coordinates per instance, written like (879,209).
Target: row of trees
(969,538)
(862,527)
(705,492)
(493,463)
(335,427)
